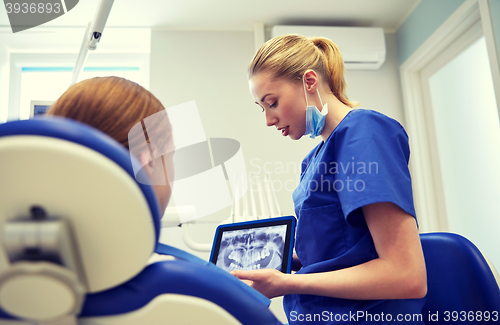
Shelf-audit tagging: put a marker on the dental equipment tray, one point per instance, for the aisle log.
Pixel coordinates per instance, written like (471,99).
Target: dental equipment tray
(258,244)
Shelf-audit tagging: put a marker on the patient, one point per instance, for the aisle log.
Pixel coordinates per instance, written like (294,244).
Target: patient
(114,105)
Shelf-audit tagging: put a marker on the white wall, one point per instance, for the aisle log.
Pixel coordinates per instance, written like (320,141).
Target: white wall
(4,84)
(379,90)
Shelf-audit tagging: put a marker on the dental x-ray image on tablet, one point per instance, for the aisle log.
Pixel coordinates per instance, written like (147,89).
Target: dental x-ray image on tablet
(253,245)
(251,249)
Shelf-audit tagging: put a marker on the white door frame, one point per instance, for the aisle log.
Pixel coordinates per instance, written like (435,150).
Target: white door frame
(425,167)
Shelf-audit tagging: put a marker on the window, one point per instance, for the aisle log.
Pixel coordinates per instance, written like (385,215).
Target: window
(48,83)
(45,77)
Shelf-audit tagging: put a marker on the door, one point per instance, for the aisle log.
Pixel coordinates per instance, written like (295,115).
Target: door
(464,140)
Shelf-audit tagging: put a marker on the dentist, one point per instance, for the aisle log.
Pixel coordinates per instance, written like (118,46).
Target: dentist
(357,238)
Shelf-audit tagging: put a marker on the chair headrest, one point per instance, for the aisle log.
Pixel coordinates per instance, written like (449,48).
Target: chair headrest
(80,174)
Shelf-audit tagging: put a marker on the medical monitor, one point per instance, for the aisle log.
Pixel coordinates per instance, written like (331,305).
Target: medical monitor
(39,107)
(252,245)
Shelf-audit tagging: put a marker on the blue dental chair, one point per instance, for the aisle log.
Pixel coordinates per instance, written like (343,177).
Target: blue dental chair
(462,286)
(76,233)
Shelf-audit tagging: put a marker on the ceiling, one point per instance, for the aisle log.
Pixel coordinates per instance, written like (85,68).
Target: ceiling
(236,14)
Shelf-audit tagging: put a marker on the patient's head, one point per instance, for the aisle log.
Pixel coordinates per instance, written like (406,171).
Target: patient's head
(114,105)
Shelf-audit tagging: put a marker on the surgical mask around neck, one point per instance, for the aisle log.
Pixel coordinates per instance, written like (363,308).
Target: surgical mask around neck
(315,120)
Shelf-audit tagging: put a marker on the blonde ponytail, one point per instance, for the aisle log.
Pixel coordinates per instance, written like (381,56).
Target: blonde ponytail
(289,56)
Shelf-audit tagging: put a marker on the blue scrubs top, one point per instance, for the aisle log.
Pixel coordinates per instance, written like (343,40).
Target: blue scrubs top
(364,161)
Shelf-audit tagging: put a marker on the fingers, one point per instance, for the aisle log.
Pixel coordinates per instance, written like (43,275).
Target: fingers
(243,275)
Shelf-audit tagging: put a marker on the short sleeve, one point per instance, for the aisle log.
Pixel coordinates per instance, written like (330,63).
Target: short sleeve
(371,162)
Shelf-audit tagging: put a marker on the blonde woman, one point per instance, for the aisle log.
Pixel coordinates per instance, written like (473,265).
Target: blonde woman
(357,238)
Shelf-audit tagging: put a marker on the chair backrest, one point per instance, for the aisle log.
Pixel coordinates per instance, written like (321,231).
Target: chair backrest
(77,230)
(461,285)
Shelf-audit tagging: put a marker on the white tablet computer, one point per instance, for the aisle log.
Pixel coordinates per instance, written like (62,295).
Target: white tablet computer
(258,244)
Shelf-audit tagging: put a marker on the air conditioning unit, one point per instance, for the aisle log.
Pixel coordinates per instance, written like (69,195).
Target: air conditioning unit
(362,48)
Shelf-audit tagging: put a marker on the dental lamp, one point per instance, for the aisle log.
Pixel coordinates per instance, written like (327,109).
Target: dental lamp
(92,36)
(240,211)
